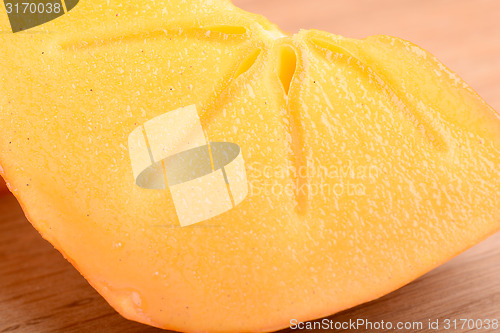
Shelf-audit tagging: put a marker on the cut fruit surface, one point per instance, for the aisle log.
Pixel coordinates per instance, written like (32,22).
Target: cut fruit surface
(368,161)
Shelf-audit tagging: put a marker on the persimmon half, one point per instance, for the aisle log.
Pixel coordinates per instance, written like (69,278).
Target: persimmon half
(368,161)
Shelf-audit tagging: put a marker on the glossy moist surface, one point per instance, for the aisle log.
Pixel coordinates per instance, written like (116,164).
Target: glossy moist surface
(369,162)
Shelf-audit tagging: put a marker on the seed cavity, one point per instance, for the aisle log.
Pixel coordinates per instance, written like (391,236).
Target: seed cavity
(287,66)
(247,63)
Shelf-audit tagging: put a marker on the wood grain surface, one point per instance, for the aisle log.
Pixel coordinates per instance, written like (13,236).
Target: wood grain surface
(3,187)
(41,292)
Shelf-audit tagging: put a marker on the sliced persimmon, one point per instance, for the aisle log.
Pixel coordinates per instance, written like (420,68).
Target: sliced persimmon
(369,163)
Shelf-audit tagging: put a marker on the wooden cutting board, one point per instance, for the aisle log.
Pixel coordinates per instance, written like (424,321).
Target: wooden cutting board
(41,292)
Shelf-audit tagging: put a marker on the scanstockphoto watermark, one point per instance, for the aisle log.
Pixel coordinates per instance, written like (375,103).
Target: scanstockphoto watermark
(432,325)
(348,179)
(355,324)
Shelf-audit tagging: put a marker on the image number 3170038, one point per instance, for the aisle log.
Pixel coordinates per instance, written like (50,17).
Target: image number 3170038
(26,14)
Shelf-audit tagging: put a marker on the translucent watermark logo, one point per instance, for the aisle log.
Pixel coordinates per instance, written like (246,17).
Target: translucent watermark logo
(205,178)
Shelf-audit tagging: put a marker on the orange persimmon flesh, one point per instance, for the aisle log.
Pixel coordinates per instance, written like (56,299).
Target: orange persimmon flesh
(394,160)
